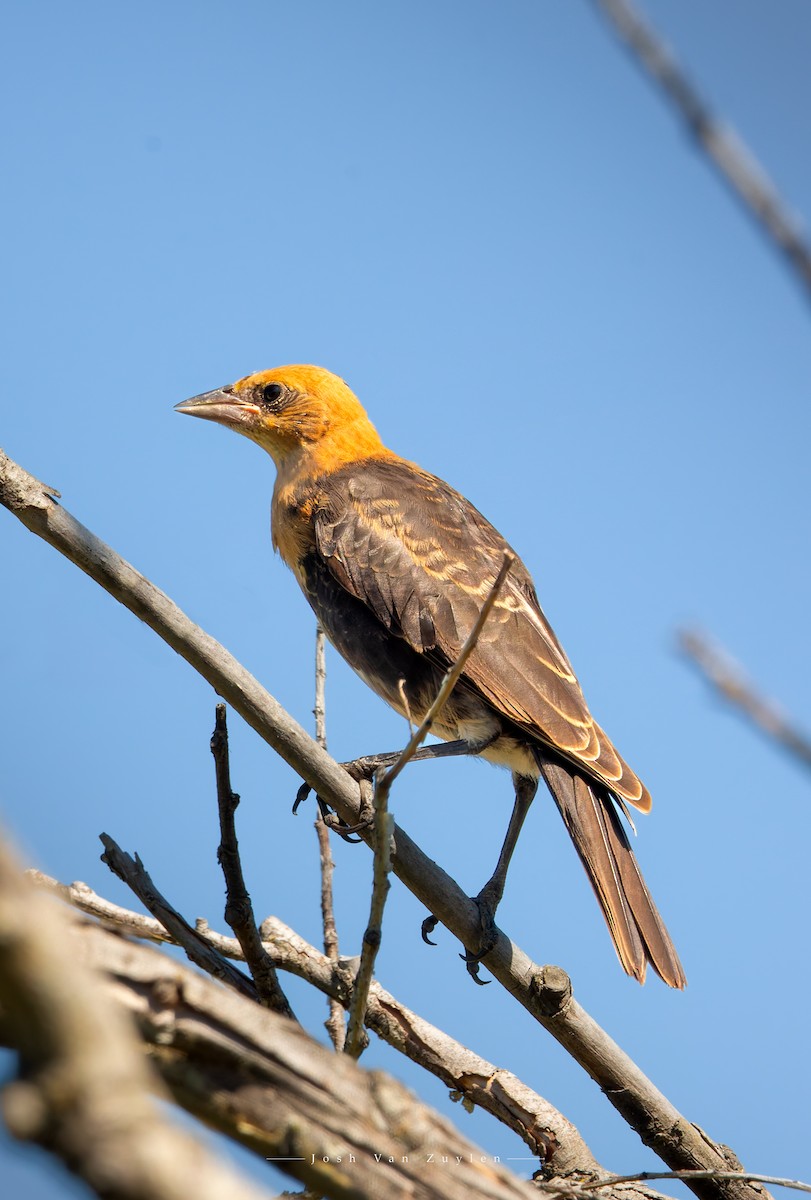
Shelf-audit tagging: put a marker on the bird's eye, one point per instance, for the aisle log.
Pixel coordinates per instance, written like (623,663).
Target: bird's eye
(271,393)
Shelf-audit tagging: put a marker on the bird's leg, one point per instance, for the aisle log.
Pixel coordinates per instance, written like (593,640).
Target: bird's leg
(365,769)
(489,897)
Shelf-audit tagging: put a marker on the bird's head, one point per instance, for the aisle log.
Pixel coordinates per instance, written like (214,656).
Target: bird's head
(293,412)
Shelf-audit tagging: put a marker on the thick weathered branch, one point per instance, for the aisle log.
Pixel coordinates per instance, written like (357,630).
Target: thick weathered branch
(475,1081)
(544,992)
(259,1078)
(84,1091)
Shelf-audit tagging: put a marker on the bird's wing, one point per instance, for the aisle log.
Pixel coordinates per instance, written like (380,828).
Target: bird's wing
(423,559)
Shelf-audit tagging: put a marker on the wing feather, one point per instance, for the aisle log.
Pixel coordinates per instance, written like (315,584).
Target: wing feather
(423,559)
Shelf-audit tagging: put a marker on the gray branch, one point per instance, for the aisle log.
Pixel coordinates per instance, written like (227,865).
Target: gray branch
(259,1078)
(729,681)
(471,1079)
(545,992)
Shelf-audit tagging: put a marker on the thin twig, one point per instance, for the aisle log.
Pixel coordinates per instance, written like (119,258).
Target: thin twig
(728,679)
(334,1023)
(731,157)
(356,1039)
(320,706)
(132,872)
(238,908)
(688,1175)
(540,990)
(472,1079)
(451,678)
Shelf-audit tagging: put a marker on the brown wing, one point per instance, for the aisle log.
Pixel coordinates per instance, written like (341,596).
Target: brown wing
(423,559)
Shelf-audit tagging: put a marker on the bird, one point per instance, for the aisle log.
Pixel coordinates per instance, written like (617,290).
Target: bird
(396,565)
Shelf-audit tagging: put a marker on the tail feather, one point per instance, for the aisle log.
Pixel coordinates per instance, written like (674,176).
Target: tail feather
(637,930)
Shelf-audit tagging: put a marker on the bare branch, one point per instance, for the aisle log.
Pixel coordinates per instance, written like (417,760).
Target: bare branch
(728,679)
(238,907)
(356,1039)
(686,1176)
(320,706)
(731,157)
(450,680)
(544,991)
(334,1023)
(132,872)
(384,825)
(260,1079)
(469,1077)
(86,1094)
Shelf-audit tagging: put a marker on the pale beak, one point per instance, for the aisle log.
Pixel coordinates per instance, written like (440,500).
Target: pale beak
(223,405)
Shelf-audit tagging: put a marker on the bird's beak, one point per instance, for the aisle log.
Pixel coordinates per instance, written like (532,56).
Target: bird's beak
(223,405)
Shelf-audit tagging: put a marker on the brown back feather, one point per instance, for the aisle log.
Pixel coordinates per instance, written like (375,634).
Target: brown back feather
(424,559)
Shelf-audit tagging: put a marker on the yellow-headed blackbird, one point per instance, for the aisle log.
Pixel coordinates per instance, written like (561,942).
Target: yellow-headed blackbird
(396,565)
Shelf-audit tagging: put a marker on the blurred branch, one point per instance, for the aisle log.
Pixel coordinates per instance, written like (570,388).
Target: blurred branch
(471,1078)
(730,156)
(261,1080)
(84,1090)
(728,679)
(545,992)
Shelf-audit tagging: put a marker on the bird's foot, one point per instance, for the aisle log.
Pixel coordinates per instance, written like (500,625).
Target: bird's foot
(487,902)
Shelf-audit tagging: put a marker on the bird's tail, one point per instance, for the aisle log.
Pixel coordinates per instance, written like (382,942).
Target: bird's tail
(594,826)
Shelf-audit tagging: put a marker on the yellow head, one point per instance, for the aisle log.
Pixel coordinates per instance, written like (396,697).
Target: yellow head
(295,413)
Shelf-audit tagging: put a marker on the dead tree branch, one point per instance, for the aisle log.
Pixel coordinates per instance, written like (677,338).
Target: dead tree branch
(544,991)
(260,1079)
(238,908)
(449,682)
(133,872)
(84,1091)
(731,157)
(728,679)
(796,1184)
(334,1023)
(383,823)
(475,1081)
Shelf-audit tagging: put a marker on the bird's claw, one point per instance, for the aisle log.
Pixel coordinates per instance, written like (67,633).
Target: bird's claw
(428,926)
(472,965)
(489,936)
(331,819)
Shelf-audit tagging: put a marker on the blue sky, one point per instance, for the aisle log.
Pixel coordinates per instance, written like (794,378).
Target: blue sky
(483,218)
